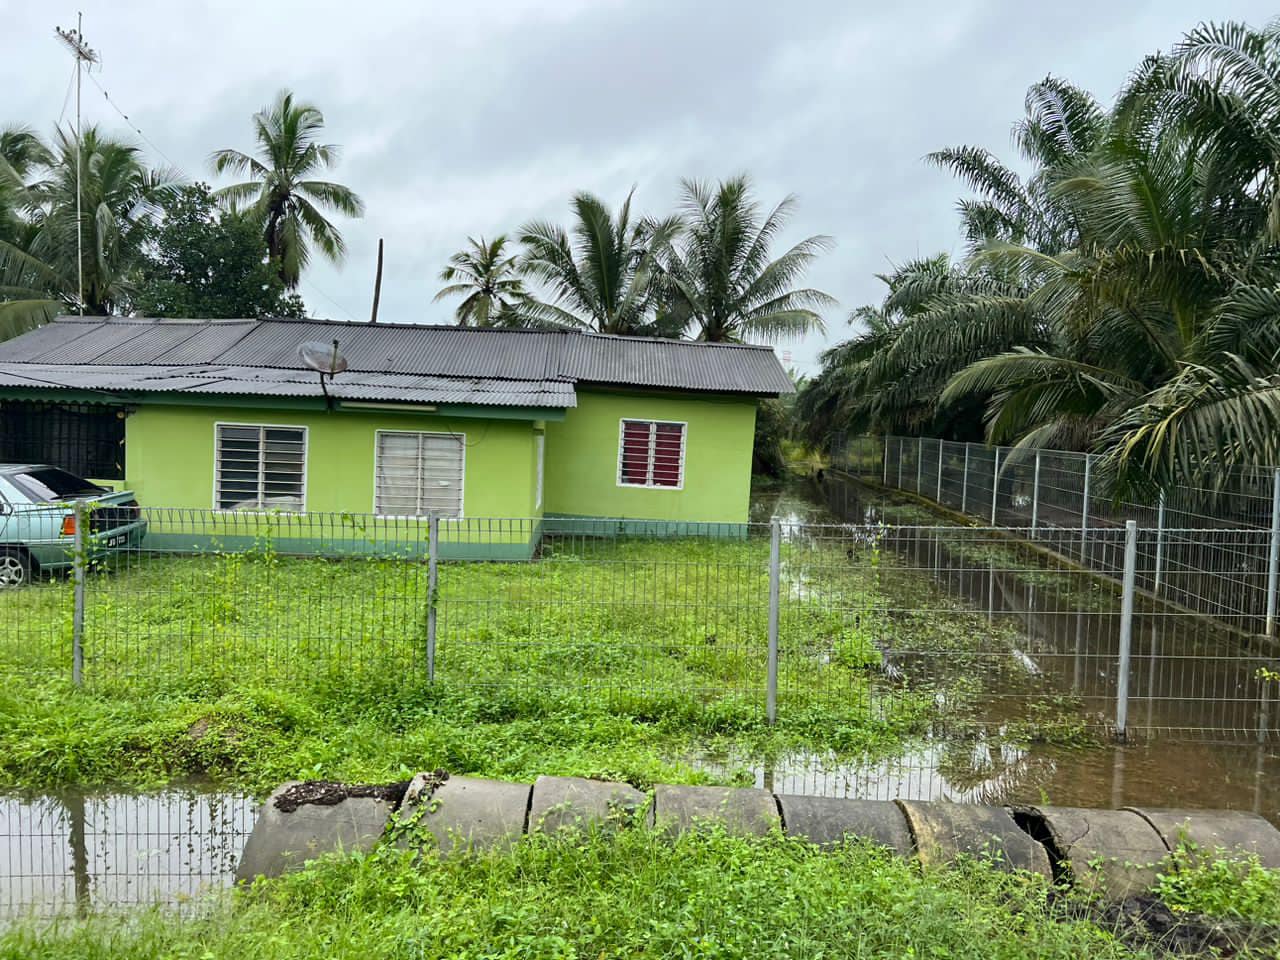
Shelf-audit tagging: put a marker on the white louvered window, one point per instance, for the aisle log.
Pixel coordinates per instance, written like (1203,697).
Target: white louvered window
(651,454)
(418,474)
(259,467)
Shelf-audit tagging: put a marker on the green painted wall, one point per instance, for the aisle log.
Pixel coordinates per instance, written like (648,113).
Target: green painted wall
(171,453)
(582,458)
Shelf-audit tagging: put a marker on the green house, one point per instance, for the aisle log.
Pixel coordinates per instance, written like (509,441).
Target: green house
(231,418)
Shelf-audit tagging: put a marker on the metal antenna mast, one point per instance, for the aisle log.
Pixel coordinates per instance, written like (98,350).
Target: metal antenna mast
(73,40)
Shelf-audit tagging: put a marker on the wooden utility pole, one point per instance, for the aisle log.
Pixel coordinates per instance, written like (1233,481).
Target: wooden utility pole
(377,285)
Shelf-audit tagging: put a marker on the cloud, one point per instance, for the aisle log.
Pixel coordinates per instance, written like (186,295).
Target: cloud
(461,119)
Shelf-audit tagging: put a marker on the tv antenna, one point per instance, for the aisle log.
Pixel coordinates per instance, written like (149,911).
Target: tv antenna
(326,360)
(83,54)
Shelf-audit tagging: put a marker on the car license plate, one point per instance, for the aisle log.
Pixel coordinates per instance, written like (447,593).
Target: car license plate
(119,540)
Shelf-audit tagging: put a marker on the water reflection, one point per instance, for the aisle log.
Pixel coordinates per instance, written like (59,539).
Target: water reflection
(1189,675)
(77,851)
(986,769)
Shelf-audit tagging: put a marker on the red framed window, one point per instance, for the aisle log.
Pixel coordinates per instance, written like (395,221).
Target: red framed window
(651,453)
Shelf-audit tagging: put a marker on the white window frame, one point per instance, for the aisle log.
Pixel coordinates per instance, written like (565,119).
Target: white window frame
(462,493)
(306,464)
(653,429)
(540,459)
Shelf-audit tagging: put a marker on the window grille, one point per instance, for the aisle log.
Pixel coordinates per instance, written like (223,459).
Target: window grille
(651,454)
(260,467)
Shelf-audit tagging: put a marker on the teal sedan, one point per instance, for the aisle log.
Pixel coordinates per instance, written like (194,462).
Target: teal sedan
(38,521)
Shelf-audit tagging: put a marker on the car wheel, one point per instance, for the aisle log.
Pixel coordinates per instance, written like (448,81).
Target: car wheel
(15,568)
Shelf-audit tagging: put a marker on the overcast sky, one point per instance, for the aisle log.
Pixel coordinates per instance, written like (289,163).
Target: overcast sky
(470,118)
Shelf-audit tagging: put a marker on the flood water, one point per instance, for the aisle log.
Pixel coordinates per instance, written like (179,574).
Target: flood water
(1202,736)
(72,851)
(1202,732)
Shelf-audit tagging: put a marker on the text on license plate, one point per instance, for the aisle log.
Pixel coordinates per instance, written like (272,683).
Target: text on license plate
(119,540)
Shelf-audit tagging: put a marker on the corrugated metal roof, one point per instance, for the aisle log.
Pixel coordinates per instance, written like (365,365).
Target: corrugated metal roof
(259,357)
(676,364)
(272,382)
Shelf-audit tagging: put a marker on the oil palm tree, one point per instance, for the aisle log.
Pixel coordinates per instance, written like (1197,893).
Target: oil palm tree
(120,196)
(1121,298)
(280,192)
(601,274)
(487,277)
(720,274)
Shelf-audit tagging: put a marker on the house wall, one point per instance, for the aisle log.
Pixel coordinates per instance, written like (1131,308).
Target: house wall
(171,464)
(582,458)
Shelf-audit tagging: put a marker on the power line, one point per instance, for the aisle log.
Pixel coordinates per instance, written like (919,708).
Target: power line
(312,285)
(138,130)
(156,147)
(66,99)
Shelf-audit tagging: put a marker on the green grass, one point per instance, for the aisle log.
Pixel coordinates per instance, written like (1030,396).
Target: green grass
(619,658)
(633,895)
(1218,883)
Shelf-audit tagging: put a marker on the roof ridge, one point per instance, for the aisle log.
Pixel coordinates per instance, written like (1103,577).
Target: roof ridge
(404,325)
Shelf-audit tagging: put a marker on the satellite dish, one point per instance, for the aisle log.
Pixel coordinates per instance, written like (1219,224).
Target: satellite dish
(322,357)
(326,360)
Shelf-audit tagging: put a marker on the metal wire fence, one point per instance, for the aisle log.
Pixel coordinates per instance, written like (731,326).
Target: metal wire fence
(1214,550)
(909,625)
(990,653)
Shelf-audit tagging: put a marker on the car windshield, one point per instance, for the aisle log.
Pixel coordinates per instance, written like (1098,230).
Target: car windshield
(46,484)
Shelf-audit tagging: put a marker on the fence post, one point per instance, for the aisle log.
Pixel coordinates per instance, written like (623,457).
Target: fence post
(964,482)
(885,458)
(1126,626)
(775,578)
(938,498)
(1155,586)
(433,558)
(995,486)
(900,442)
(1035,496)
(1273,562)
(920,465)
(78,557)
(1084,508)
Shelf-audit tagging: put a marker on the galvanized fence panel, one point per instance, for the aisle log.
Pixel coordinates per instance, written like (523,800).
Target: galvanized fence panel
(902,625)
(1214,549)
(631,611)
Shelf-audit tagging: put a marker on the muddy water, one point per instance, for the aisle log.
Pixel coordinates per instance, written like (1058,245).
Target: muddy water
(1202,732)
(76,852)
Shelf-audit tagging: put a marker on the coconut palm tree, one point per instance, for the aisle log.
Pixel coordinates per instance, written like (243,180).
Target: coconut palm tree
(21,150)
(120,196)
(280,192)
(488,278)
(720,274)
(600,274)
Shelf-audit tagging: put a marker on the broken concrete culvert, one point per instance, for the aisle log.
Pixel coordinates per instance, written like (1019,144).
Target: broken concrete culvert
(1113,854)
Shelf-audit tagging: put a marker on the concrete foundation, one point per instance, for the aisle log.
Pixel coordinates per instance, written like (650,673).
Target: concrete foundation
(744,812)
(1113,853)
(1232,830)
(828,821)
(469,813)
(561,803)
(283,841)
(944,831)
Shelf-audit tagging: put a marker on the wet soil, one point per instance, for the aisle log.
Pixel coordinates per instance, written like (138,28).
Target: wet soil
(1147,923)
(326,793)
